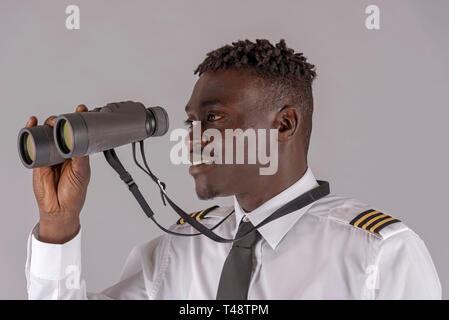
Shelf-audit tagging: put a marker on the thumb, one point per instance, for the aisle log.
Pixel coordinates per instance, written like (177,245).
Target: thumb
(81,167)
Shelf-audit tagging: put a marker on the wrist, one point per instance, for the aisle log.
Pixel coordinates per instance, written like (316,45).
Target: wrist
(58,230)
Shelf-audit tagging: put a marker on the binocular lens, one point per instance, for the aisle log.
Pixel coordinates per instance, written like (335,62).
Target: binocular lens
(65,135)
(37,148)
(28,148)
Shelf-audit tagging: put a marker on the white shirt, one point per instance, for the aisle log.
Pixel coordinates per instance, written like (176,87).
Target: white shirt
(312,253)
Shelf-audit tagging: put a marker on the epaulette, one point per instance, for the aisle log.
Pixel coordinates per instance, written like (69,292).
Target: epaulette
(378,223)
(198,215)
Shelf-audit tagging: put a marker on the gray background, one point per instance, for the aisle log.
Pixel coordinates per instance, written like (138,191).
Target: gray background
(381,107)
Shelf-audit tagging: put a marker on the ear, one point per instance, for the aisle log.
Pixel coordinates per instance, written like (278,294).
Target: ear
(287,122)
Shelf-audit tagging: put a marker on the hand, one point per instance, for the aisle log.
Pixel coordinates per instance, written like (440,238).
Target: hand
(60,192)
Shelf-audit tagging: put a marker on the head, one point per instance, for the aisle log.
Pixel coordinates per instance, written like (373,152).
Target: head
(253,85)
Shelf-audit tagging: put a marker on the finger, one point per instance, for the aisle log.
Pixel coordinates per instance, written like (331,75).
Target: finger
(43,182)
(32,121)
(50,121)
(81,108)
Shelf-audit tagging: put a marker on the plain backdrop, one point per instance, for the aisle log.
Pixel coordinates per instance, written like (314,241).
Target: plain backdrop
(380,124)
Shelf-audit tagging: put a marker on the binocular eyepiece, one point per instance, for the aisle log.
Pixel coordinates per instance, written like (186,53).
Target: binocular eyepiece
(81,133)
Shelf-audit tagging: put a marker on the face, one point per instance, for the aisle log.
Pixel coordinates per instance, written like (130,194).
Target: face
(227,99)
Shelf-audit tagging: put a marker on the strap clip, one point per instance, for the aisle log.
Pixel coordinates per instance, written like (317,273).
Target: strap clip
(128,179)
(161,186)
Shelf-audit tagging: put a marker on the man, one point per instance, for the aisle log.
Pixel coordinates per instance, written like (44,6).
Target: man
(332,248)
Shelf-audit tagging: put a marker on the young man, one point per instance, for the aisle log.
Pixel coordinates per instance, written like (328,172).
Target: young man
(332,248)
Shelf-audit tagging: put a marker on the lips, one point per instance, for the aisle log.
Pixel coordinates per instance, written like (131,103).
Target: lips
(200,167)
(201,162)
(198,159)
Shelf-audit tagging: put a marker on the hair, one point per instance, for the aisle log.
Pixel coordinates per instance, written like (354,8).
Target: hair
(287,72)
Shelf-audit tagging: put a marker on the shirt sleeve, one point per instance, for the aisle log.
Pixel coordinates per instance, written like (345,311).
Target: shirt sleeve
(406,270)
(53,271)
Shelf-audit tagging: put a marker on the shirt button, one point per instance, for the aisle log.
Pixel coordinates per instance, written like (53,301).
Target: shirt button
(245,219)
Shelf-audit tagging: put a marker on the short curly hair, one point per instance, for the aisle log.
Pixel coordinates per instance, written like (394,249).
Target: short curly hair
(287,72)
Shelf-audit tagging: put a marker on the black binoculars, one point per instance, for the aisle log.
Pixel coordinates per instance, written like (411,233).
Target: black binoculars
(81,133)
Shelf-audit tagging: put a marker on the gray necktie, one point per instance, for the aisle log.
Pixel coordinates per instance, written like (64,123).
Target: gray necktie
(236,273)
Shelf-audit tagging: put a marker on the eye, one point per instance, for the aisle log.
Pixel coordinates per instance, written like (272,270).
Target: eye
(213,117)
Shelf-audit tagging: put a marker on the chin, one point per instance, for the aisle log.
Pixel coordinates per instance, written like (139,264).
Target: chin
(204,189)
(206,192)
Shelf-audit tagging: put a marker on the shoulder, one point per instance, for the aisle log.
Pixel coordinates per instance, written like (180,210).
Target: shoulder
(355,214)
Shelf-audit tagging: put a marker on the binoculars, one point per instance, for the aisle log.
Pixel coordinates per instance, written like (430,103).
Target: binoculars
(81,133)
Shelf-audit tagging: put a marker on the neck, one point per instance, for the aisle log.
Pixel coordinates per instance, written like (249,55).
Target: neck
(277,183)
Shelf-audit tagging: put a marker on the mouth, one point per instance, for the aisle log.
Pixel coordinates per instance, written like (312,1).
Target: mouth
(204,163)
(201,166)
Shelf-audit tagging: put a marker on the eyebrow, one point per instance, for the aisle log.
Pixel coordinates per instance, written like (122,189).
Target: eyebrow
(205,103)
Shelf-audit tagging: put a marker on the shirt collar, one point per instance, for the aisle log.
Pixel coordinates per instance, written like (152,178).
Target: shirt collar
(274,231)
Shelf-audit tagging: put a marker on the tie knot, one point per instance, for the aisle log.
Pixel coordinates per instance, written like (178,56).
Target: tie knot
(249,240)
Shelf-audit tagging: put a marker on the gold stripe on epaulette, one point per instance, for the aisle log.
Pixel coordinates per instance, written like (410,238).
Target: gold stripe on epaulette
(181,221)
(372,220)
(198,215)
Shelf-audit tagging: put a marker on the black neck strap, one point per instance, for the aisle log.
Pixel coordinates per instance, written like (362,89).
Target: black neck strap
(293,205)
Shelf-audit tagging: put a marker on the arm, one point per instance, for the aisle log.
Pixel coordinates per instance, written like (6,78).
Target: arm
(53,271)
(53,268)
